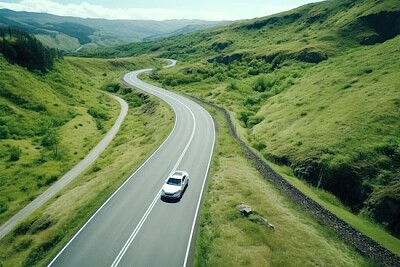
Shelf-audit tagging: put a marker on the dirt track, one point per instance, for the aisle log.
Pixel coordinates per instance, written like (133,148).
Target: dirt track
(70,175)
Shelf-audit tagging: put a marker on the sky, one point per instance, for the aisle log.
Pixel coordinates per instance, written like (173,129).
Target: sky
(214,10)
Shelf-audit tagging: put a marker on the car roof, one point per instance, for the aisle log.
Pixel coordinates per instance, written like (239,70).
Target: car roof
(179,174)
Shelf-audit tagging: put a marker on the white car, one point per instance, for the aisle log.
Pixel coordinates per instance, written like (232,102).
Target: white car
(175,185)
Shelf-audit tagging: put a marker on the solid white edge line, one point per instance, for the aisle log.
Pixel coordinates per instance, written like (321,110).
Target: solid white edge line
(119,188)
(200,198)
(143,219)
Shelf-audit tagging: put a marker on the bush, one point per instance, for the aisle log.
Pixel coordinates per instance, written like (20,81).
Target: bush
(15,153)
(41,251)
(244,116)
(51,140)
(3,205)
(232,86)
(253,71)
(112,87)
(258,145)
(254,120)
(98,113)
(260,85)
(4,132)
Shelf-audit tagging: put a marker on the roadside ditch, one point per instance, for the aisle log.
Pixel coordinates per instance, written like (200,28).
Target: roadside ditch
(364,244)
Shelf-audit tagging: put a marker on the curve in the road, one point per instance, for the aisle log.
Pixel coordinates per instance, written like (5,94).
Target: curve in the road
(134,227)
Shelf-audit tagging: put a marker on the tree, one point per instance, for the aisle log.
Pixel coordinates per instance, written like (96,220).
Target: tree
(4,132)
(51,140)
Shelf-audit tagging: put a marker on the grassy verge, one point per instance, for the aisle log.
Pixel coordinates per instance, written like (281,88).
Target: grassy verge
(331,203)
(38,238)
(228,239)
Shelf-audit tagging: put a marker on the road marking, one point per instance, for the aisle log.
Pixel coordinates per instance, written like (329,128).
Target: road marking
(198,203)
(150,208)
(135,232)
(119,188)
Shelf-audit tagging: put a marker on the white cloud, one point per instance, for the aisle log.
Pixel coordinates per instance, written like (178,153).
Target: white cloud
(86,10)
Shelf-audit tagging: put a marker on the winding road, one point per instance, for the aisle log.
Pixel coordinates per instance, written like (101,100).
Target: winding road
(134,227)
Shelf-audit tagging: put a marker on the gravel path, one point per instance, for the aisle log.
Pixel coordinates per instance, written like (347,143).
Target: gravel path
(69,176)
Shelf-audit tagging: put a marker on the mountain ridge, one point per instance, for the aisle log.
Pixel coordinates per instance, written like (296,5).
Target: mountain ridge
(95,32)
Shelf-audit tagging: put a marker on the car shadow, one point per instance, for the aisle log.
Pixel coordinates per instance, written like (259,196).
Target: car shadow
(174,200)
(170,200)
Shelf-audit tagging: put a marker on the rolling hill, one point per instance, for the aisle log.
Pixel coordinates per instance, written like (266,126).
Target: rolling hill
(70,33)
(315,88)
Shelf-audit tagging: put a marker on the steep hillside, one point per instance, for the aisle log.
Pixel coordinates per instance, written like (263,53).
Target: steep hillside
(315,88)
(49,122)
(70,33)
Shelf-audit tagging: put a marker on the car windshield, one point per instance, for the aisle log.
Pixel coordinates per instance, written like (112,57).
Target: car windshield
(174,181)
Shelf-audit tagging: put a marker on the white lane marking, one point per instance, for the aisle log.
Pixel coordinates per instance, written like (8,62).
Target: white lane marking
(119,188)
(135,232)
(204,180)
(150,208)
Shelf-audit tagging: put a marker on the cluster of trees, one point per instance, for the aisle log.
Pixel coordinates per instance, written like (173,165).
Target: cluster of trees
(23,49)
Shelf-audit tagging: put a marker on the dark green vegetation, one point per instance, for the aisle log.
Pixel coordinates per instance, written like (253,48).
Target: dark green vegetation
(23,49)
(316,89)
(70,92)
(49,122)
(70,33)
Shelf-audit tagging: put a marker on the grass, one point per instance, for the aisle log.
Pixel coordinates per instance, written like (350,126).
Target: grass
(333,204)
(67,101)
(37,239)
(334,123)
(226,238)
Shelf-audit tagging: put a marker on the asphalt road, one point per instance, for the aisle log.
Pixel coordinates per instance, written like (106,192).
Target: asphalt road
(134,227)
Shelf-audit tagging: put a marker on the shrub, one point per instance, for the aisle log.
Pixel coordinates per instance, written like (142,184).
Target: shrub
(4,132)
(260,85)
(3,204)
(253,71)
(254,120)
(98,113)
(232,86)
(244,116)
(258,145)
(112,87)
(41,251)
(51,140)
(15,153)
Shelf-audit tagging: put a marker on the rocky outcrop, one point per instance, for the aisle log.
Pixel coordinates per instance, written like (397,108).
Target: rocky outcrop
(218,46)
(308,55)
(226,59)
(386,25)
(272,21)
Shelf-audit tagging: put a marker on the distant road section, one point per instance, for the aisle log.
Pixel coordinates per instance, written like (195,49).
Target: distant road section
(134,227)
(69,176)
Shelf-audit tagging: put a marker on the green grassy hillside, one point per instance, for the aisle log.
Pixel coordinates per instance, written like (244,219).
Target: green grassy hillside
(315,88)
(49,122)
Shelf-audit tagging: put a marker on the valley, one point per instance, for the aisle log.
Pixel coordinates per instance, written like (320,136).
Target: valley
(313,92)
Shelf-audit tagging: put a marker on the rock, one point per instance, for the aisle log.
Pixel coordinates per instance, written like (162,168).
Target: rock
(260,220)
(245,210)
